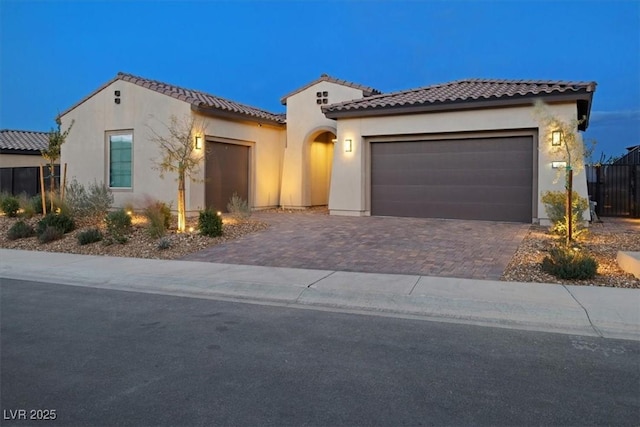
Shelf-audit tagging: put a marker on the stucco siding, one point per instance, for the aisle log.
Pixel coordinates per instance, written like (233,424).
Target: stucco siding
(21,160)
(349,192)
(141,109)
(304,118)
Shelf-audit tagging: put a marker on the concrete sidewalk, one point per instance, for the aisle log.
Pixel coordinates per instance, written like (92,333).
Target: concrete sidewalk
(580,310)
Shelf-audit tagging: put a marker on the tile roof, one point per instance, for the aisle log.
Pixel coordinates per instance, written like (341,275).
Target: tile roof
(196,98)
(366,90)
(23,140)
(469,90)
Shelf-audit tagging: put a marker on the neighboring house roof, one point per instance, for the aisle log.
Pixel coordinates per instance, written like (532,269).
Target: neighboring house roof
(23,141)
(366,90)
(631,158)
(200,101)
(461,94)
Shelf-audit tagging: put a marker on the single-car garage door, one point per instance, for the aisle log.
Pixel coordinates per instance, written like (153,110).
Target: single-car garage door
(480,178)
(226,172)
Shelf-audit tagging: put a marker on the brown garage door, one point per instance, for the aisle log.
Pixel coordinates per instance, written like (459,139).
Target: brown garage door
(227,171)
(481,178)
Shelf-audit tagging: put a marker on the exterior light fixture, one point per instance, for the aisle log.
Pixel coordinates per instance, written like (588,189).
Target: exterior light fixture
(348,145)
(198,142)
(558,165)
(556,138)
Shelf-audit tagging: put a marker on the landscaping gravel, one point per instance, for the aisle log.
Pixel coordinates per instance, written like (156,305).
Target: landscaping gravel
(602,242)
(139,245)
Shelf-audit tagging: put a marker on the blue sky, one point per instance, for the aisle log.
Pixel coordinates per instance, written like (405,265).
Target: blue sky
(53,53)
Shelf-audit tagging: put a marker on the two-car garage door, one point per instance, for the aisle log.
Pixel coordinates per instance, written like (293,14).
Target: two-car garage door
(479,178)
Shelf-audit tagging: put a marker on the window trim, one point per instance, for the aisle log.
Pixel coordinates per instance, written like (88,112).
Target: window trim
(107,148)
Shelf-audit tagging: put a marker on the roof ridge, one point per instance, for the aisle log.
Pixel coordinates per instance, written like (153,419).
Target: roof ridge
(171,86)
(160,83)
(368,91)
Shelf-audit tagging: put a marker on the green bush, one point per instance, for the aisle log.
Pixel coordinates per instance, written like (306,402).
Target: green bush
(565,263)
(10,206)
(158,216)
(238,207)
(210,223)
(49,234)
(91,235)
(20,230)
(555,203)
(164,243)
(61,221)
(94,201)
(26,207)
(118,226)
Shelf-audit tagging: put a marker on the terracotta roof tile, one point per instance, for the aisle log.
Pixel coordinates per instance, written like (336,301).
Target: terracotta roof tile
(23,140)
(366,90)
(462,91)
(201,99)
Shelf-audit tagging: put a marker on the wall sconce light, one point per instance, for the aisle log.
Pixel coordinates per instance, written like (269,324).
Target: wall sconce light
(556,138)
(558,165)
(348,146)
(198,142)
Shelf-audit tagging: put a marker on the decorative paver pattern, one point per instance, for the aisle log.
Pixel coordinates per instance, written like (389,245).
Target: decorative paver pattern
(422,246)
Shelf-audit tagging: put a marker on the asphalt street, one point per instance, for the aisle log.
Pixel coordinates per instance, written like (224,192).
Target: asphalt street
(104,357)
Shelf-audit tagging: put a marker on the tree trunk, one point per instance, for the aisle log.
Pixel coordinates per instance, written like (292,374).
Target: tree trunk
(52,182)
(181,204)
(569,210)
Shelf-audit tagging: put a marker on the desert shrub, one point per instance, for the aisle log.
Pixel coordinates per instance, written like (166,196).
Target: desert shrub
(49,234)
(555,203)
(118,225)
(58,204)
(238,207)
(164,243)
(10,206)
(60,221)
(210,223)
(566,263)
(94,201)
(26,209)
(158,216)
(91,235)
(20,230)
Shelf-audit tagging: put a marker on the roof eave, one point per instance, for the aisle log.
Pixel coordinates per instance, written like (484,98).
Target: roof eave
(460,105)
(20,151)
(226,114)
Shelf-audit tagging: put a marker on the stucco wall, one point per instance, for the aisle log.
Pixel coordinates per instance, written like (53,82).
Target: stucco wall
(140,109)
(266,150)
(21,160)
(349,192)
(305,120)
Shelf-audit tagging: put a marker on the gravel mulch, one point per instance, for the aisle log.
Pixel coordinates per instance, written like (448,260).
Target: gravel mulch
(139,245)
(601,241)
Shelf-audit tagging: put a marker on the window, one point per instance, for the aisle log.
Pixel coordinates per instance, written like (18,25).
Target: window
(120,166)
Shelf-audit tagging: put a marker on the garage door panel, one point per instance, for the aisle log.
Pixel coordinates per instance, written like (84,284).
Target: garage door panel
(227,172)
(501,177)
(486,178)
(448,194)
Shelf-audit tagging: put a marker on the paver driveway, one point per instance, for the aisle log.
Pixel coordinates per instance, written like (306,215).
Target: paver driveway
(430,247)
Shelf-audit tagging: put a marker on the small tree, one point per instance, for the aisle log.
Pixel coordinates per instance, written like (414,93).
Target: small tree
(562,137)
(52,153)
(179,155)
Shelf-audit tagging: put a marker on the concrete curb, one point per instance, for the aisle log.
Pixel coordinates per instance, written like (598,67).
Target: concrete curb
(580,310)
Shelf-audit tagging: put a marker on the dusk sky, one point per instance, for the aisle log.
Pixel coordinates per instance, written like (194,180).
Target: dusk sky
(53,53)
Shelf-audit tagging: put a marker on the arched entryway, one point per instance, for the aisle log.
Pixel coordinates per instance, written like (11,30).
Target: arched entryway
(320,159)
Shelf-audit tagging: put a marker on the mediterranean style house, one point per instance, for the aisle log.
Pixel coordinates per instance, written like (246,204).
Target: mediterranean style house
(467,149)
